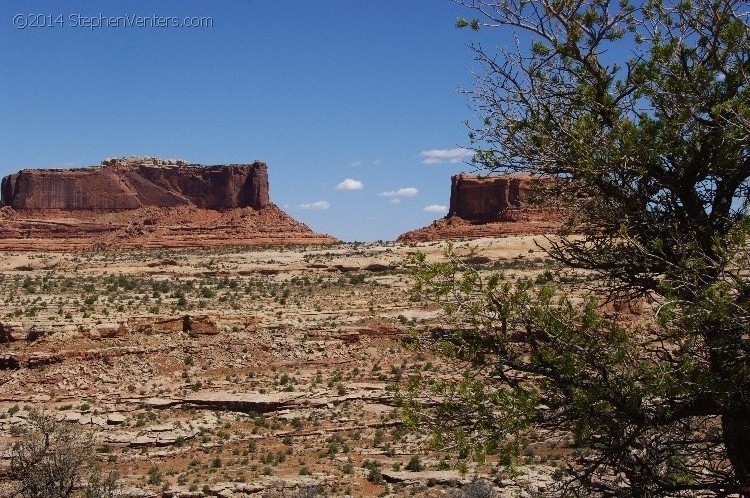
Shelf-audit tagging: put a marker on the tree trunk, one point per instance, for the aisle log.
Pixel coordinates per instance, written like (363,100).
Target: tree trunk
(736,430)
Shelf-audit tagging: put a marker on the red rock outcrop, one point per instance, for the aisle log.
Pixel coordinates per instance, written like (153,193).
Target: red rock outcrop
(489,198)
(193,325)
(492,206)
(131,184)
(144,203)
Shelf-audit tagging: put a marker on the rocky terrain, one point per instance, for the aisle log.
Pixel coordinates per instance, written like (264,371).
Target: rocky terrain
(206,363)
(492,206)
(243,372)
(144,202)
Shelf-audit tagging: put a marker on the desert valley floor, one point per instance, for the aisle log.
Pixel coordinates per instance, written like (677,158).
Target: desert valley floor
(242,372)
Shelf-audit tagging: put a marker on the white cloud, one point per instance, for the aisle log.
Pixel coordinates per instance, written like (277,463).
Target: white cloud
(435,208)
(350,184)
(438,156)
(402,192)
(316,206)
(395,200)
(359,162)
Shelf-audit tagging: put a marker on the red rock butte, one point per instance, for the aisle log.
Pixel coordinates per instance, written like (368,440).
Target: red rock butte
(491,206)
(131,184)
(143,202)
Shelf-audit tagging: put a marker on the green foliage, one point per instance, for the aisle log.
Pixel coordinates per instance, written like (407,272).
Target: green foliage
(155,476)
(374,475)
(414,464)
(639,114)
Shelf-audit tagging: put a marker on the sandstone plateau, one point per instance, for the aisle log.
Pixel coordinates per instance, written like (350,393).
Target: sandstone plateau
(492,206)
(144,202)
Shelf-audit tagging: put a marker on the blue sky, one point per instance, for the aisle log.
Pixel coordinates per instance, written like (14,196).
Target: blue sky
(322,91)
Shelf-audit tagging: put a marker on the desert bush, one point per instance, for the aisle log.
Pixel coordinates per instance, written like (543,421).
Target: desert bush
(52,459)
(311,491)
(637,115)
(477,488)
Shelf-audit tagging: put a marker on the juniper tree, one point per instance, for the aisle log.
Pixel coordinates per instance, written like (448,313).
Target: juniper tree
(640,113)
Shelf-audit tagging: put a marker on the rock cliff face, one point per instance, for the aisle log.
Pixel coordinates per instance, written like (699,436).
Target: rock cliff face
(123,184)
(488,198)
(491,206)
(144,203)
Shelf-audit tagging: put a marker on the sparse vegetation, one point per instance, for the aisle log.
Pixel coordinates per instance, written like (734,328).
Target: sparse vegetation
(637,115)
(306,334)
(51,459)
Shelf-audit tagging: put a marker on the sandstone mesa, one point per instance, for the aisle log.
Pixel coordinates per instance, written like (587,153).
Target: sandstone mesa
(145,202)
(491,206)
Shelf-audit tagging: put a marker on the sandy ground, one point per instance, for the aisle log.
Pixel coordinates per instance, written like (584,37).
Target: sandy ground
(283,382)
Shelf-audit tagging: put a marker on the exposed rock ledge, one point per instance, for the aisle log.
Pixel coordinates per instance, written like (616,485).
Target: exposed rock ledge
(492,206)
(120,184)
(145,203)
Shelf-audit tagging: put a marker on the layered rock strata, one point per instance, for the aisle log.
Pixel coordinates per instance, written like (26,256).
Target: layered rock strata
(144,203)
(490,198)
(492,206)
(123,184)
